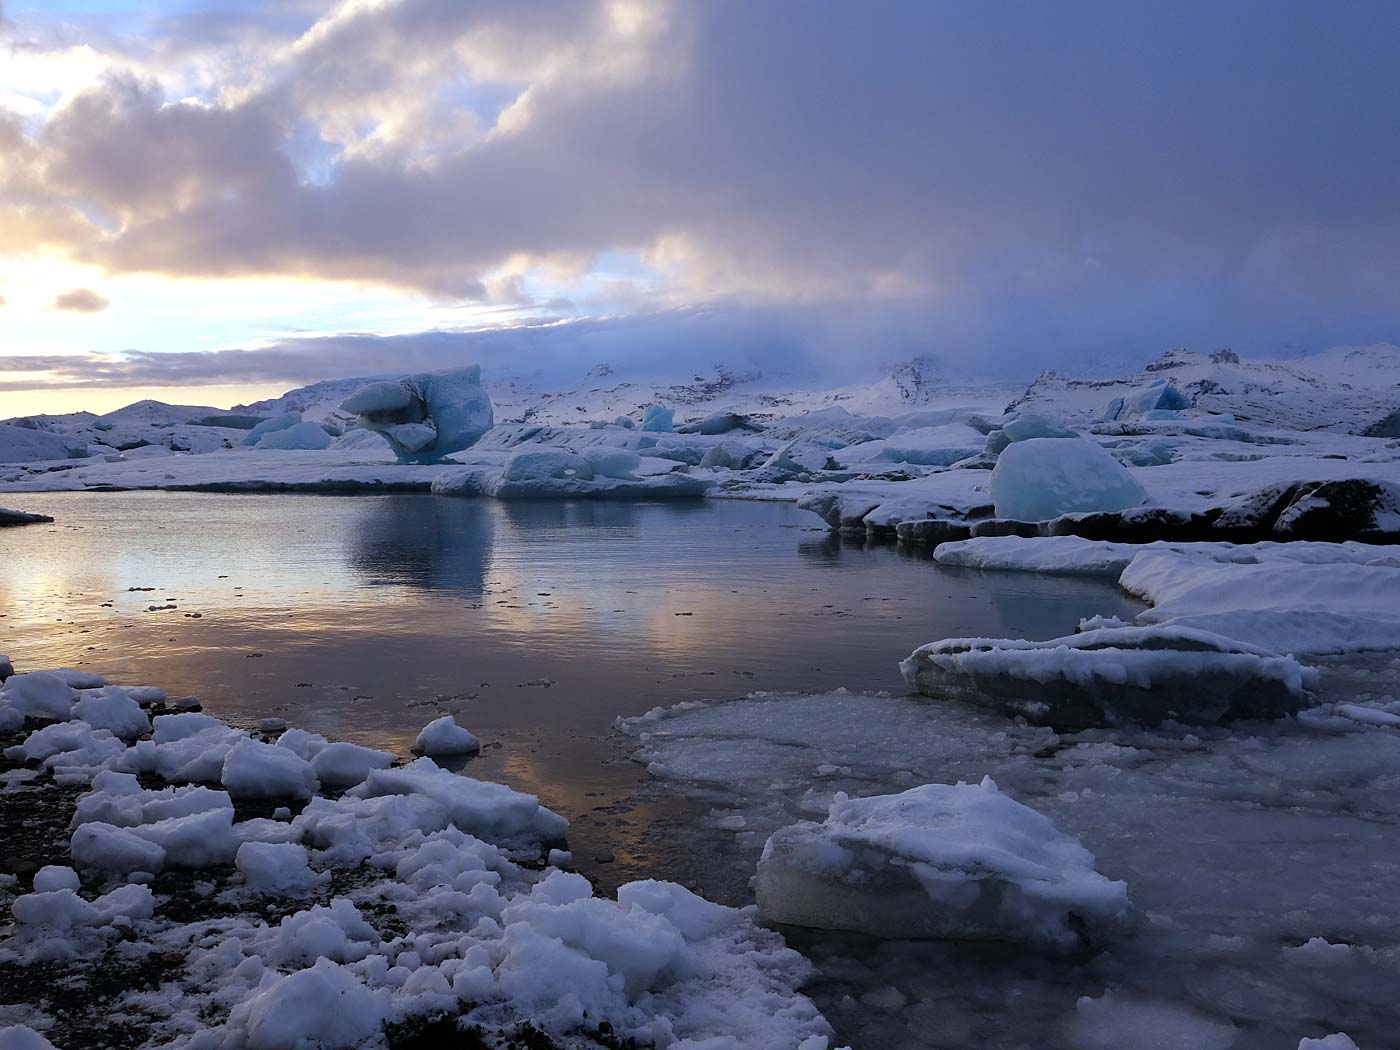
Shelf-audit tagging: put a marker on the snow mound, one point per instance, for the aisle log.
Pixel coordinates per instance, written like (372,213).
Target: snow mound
(1044,478)
(1116,675)
(961,862)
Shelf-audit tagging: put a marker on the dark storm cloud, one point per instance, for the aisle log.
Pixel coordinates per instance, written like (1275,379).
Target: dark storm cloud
(1031,178)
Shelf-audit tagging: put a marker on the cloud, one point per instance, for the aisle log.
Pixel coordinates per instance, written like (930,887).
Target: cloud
(80,301)
(1028,180)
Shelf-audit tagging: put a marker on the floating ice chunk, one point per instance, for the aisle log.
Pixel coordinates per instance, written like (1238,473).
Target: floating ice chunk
(270,426)
(40,694)
(961,862)
(324,1007)
(1114,1023)
(612,462)
(1030,425)
(306,436)
(22,1037)
(345,765)
(275,868)
(113,709)
(443,736)
(1043,478)
(11,717)
(1114,676)
(658,419)
(797,457)
(1160,394)
(451,404)
(545,464)
(253,769)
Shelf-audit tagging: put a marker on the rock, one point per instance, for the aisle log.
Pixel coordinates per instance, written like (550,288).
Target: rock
(1004,527)
(1114,676)
(932,531)
(1341,510)
(956,862)
(20,517)
(718,423)
(1387,427)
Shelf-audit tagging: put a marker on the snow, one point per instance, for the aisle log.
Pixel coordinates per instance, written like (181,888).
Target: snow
(39,694)
(1335,1041)
(936,446)
(1114,675)
(253,769)
(111,708)
(443,736)
(959,861)
(323,1007)
(55,877)
(343,765)
(22,445)
(1043,478)
(452,910)
(22,1037)
(275,868)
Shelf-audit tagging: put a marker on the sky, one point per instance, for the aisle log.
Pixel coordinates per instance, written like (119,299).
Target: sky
(213,202)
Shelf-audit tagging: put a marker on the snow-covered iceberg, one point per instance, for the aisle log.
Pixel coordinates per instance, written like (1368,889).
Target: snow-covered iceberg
(960,861)
(1114,675)
(426,416)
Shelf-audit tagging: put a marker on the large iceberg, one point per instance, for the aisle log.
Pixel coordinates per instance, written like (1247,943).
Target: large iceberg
(962,862)
(1114,675)
(1043,478)
(427,416)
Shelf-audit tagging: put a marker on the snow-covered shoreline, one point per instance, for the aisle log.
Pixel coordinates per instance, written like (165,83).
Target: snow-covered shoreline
(276,889)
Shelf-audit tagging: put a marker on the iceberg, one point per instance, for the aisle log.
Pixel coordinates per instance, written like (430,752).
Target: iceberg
(426,416)
(961,862)
(306,436)
(658,419)
(1043,478)
(1114,675)
(272,425)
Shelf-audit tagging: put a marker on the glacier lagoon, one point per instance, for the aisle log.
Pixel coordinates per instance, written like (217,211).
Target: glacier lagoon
(535,624)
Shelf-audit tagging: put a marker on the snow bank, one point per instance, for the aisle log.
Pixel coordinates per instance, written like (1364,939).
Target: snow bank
(1114,675)
(452,914)
(1044,478)
(1330,606)
(962,862)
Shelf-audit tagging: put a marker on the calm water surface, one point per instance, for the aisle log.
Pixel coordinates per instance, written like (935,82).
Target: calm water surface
(537,624)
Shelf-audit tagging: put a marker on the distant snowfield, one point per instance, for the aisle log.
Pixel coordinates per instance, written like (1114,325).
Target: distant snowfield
(1230,756)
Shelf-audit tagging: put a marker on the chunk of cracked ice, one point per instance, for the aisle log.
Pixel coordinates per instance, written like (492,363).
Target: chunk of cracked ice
(961,862)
